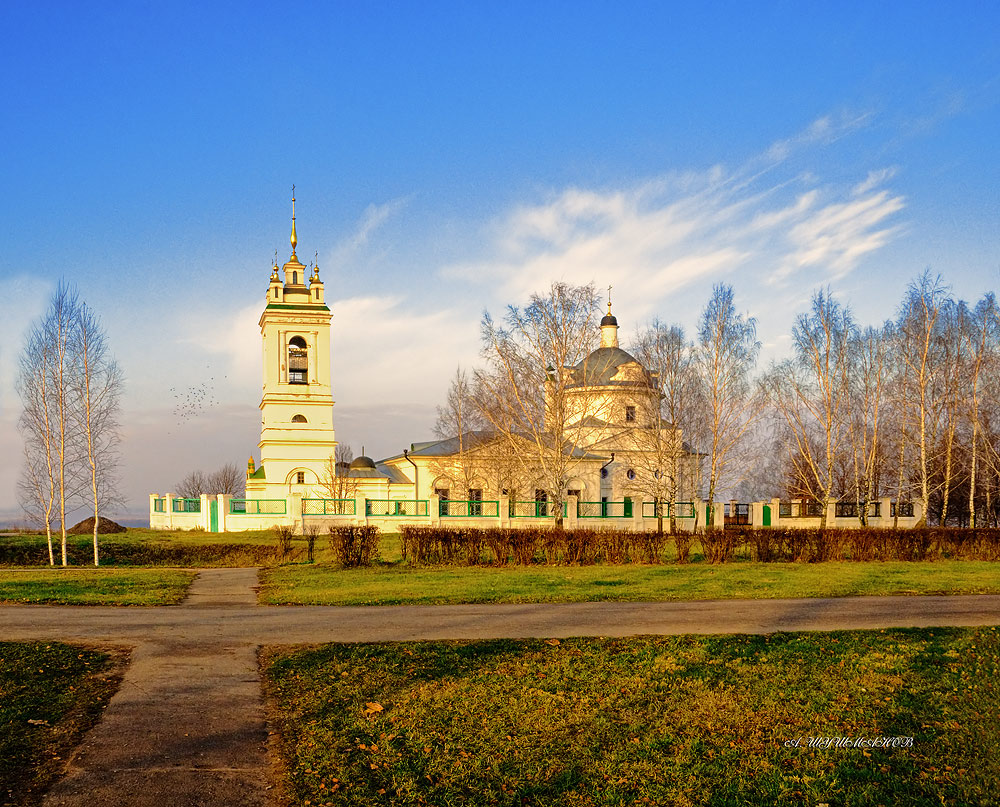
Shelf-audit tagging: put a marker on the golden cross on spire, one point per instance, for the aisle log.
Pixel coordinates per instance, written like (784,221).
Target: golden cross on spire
(294,239)
(609,300)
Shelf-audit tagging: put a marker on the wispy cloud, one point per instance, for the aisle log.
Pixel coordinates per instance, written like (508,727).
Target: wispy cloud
(676,230)
(345,253)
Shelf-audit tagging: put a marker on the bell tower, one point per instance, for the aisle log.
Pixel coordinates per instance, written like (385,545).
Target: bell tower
(296,432)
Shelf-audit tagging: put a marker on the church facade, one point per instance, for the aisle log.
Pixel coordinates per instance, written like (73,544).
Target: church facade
(624,461)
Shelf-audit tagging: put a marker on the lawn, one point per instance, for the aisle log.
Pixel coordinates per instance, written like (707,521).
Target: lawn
(666,720)
(145,547)
(50,694)
(396,584)
(81,586)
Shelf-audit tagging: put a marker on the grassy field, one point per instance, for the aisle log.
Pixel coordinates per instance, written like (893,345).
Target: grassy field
(664,721)
(81,586)
(306,584)
(50,694)
(145,547)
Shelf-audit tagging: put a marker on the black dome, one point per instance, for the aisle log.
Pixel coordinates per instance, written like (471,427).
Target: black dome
(362,463)
(609,320)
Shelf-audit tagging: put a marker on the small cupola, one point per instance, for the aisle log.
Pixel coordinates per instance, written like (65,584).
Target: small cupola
(315,284)
(609,327)
(274,285)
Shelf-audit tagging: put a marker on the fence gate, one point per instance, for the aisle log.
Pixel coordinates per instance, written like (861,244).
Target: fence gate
(213,515)
(766,517)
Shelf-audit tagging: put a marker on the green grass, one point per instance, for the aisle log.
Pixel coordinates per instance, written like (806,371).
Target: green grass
(303,584)
(50,694)
(145,547)
(95,586)
(666,720)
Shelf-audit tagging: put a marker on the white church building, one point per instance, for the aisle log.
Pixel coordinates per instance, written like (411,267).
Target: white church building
(614,433)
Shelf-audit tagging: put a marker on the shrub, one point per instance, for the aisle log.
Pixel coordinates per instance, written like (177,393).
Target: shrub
(284,535)
(354,546)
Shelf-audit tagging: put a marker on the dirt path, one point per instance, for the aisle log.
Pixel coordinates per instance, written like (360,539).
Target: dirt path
(187,727)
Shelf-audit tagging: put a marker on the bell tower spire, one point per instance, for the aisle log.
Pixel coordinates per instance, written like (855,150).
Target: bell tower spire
(294,239)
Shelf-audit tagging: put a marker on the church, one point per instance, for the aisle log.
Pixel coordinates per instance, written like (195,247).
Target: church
(620,453)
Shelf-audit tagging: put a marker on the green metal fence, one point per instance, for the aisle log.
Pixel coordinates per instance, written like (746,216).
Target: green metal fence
(329,507)
(469,509)
(535,509)
(396,507)
(652,509)
(187,505)
(622,509)
(257,507)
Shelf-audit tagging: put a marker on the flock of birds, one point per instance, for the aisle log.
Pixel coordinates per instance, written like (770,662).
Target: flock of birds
(194,401)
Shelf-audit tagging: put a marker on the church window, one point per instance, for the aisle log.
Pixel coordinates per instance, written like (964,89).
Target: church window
(630,414)
(298,361)
(604,473)
(475,501)
(573,493)
(630,474)
(300,477)
(299,419)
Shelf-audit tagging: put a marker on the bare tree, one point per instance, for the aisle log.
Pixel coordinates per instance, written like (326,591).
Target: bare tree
(725,356)
(335,480)
(529,391)
(192,485)
(979,333)
(45,382)
(867,377)
(460,418)
(37,486)
(97,386)
(230,479)
(920,354)
(811,393)
(659,448)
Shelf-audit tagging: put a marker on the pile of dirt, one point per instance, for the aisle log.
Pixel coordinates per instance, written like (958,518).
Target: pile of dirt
(105,527)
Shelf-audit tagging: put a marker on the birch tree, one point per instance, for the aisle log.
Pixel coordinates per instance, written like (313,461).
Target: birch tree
(725,356)
(96,382)
(920,354)
(811,392)
(665,352)
(525,386)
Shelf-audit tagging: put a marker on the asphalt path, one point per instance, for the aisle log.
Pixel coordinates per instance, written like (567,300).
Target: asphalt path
(188,726)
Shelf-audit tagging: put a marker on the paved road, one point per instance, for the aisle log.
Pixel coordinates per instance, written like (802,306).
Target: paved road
(255,625)
(187,728)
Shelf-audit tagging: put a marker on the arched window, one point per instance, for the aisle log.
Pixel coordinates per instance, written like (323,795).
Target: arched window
(299,419)
(298,361)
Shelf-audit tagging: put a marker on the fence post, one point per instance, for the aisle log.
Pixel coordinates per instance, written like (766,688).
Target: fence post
(152,511)
(224,499)
(203,509)
(884,509)
(504,512)
(775,512)
(831,514)
(294,515)
(570,522)
(360,509)
(638,522)
(168,505)
(433,509)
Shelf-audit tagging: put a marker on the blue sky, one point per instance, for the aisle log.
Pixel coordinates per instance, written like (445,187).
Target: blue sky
(451,157)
